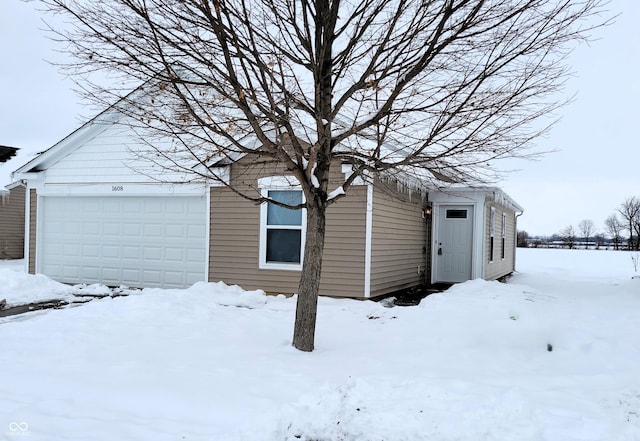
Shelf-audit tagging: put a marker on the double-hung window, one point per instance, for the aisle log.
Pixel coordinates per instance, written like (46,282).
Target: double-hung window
(492,229)
(282,230)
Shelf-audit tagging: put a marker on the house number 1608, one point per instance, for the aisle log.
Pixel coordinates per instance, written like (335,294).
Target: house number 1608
(117,188)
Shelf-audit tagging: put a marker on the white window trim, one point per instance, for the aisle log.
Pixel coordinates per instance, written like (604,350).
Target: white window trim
(503,237)
(278,183)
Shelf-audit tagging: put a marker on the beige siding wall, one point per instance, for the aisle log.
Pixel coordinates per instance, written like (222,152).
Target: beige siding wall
(499,266)
(235,240)
(33,221)
(398,258)
(12,224)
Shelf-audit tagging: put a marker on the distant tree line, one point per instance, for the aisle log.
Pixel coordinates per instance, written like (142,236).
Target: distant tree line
(626,219)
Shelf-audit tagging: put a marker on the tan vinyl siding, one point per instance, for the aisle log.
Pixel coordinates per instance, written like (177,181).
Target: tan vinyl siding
(235,240)
(12,223)
(499,267)
(33,221)
(398,241)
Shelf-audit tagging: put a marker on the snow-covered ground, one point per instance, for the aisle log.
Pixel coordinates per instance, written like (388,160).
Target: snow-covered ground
(213,362)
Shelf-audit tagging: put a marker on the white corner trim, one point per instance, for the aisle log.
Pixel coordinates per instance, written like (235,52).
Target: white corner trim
(207,238)
(367,243)
(27,229)
(479,236)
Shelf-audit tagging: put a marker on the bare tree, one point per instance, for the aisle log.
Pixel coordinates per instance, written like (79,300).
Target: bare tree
(630,211)
(614,229)
(568,237)
(587,229)
(600,239)
(437,90)
(522,238)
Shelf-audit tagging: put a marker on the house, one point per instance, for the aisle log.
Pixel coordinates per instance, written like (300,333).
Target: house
(91,218)
(12,207)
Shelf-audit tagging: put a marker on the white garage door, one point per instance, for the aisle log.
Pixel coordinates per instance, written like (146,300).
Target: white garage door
(135,241)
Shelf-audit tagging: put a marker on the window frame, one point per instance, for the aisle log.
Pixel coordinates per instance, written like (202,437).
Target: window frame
(503,235)
(275,184)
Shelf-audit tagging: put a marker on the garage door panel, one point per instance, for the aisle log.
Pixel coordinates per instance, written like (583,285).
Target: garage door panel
(195,231)
(153,230)
(110,252)
(130,252)
(136,241)
(91,251)
(91,228)
(153,254)
(72,250)
(92,272)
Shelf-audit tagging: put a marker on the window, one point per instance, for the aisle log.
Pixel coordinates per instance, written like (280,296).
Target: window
(456,214)
(504,233)
(282,230)
(492,228)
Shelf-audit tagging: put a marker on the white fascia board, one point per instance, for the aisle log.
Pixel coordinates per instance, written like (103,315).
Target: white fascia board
(457,196)
(14,185)
(477,194)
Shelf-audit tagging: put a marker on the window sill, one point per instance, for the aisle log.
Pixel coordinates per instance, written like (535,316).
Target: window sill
(281,266)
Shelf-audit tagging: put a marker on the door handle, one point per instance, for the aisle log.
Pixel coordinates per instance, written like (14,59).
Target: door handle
(440,249)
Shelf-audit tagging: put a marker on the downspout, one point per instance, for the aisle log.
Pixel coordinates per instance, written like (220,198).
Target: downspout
(515,239)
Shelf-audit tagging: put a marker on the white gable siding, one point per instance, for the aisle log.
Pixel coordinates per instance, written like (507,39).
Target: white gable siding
(107,158)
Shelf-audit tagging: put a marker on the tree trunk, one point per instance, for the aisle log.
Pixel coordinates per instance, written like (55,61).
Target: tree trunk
(307,306)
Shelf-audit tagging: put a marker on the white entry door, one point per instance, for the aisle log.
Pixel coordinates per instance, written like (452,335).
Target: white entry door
(135,241)
(454,243)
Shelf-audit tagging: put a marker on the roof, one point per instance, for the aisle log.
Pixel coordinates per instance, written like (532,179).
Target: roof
(425,179)
(7,168)
(495,193)
(7,152)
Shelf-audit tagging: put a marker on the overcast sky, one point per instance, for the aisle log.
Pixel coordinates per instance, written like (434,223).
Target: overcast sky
(596,167)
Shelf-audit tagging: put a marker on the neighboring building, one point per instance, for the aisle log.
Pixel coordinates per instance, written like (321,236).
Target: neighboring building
(91,219)
(12,206)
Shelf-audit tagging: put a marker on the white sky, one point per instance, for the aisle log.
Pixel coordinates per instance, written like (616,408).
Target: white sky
(594,171)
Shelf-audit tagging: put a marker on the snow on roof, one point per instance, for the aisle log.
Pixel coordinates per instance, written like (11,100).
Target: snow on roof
(7,168)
